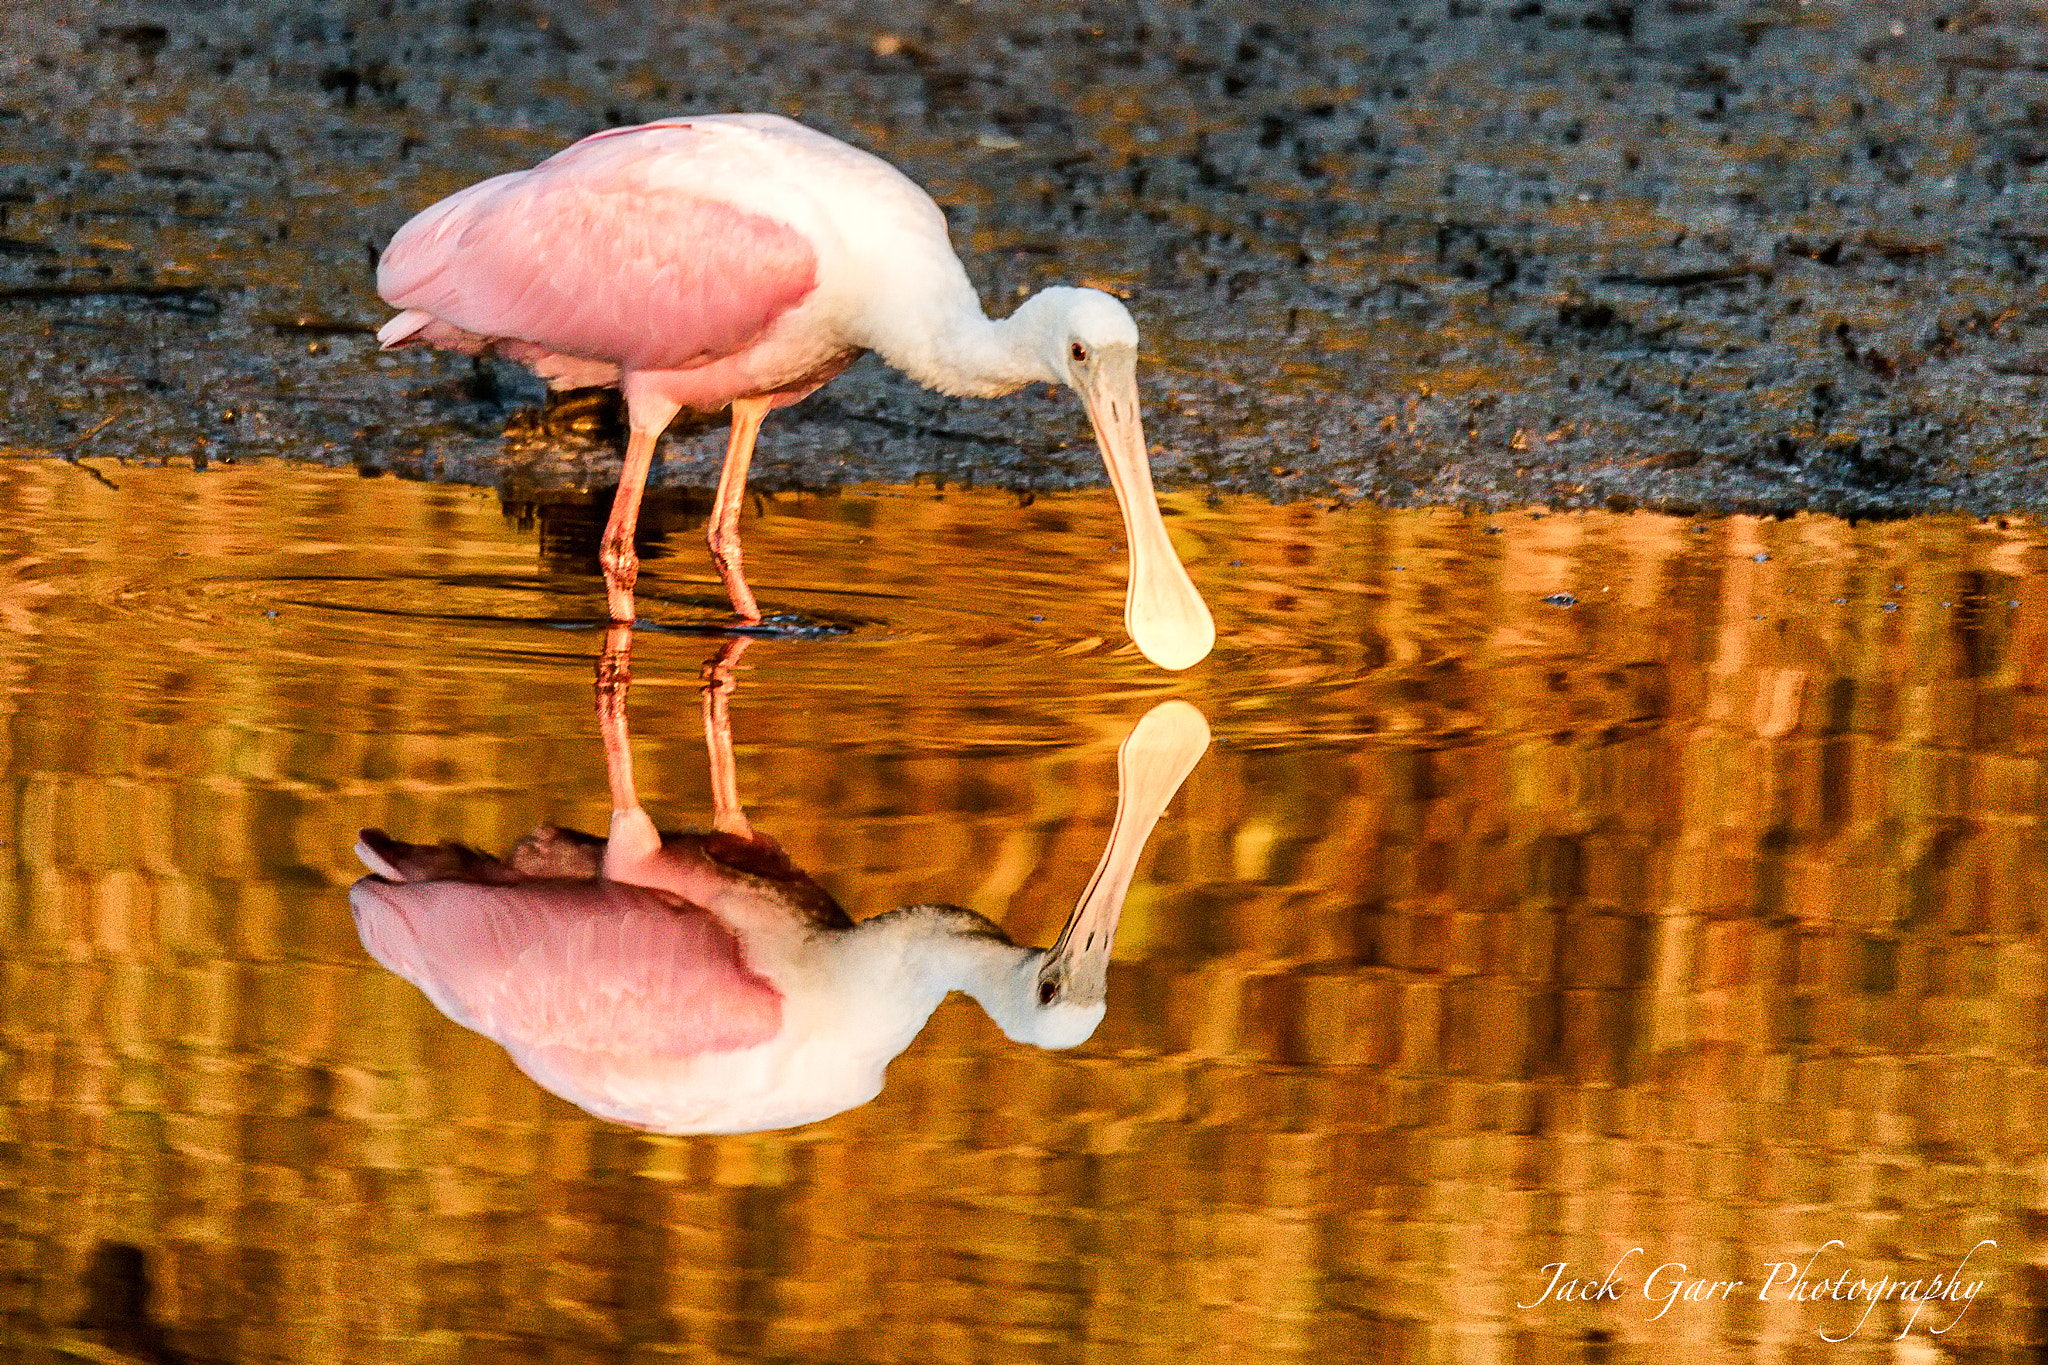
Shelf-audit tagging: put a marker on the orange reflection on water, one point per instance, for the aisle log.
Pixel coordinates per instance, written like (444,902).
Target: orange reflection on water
(1698,915)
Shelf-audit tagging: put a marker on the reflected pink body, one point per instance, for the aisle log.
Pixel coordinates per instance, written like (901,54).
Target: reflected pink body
(575,967)
(608,992)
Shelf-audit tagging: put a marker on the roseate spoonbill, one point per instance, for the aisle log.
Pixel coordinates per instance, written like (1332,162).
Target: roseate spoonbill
(702,983)
(742,260)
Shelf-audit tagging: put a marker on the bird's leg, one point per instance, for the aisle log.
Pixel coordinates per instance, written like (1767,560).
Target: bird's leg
(615,552)
(726,815)
(723,534)
(648,417)
(614,679)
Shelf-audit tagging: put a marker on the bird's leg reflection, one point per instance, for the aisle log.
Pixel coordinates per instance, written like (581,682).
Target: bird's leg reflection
(726,815)
(703,983)
(614,681)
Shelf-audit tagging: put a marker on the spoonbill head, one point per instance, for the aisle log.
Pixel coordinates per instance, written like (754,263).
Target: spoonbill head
(1089,342)
(741,261)
(701,982)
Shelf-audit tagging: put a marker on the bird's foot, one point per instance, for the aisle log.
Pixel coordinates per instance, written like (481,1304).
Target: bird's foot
(725,557)
(621,571)
(618,600)
(745,611)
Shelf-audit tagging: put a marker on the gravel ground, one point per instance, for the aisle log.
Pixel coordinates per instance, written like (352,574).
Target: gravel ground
(1679,254)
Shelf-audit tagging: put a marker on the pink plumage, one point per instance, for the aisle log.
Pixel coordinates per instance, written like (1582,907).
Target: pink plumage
(579,967)
(602,254)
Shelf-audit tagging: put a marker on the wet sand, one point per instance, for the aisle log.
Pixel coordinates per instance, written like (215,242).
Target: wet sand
(1677,255)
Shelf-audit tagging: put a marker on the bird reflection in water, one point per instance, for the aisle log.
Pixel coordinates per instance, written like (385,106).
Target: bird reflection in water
(702,982)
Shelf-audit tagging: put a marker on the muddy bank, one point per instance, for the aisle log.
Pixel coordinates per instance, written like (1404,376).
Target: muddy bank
(1673,254)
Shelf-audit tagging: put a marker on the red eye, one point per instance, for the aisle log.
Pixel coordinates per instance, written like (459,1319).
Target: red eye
(1079,352)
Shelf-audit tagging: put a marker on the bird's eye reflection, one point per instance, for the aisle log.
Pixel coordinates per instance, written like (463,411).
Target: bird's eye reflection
(1079,353)
(702,982)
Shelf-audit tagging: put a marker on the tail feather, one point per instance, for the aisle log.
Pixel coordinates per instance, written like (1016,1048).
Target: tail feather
(405,327)
(397,861)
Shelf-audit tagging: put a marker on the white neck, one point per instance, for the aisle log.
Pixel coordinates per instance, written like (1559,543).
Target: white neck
(946,342)
(921,952)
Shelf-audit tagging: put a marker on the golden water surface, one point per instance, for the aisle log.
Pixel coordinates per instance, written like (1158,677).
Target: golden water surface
(1653,897)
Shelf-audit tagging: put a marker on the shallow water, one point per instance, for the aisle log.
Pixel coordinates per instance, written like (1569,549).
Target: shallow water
(1554,886)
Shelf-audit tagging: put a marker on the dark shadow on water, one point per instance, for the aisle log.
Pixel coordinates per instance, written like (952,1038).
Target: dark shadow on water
(777,626)
(117,1306)
(568,513)
(786,625)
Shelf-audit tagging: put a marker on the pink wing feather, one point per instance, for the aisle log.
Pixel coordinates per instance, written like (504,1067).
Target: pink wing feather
(593,968)
(604,252)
